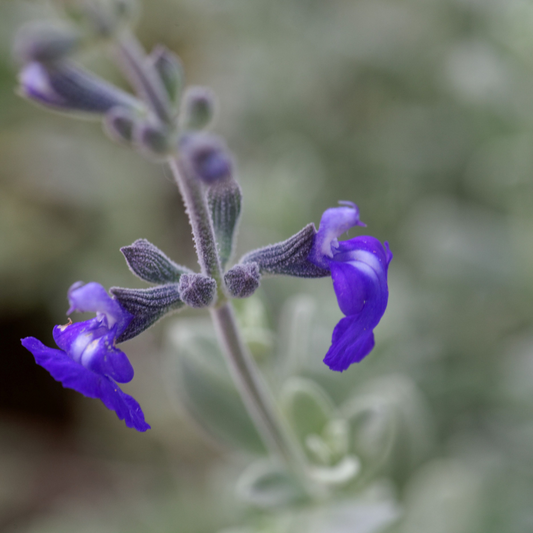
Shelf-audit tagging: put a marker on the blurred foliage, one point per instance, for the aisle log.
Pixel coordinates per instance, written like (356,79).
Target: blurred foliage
(420,111)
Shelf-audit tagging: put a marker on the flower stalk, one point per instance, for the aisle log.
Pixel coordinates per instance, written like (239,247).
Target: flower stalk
(142,75)
(253,390)
(246,376)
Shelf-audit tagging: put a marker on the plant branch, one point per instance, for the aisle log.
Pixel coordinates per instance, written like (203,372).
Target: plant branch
(133,61)
(253,390)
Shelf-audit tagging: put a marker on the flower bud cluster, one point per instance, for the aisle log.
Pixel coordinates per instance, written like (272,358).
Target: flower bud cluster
(176,286)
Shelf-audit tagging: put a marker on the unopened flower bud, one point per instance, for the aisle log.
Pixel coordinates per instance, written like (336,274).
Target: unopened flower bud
(150,264)
(119,124)
(197,290)
(45,42)
(66,87)
(154,140)
(169,68)
(224,199)
(206,158)
(242,280)
(198,108)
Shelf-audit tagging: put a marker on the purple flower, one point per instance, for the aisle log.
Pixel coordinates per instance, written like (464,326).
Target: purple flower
(88,360)
(359,271)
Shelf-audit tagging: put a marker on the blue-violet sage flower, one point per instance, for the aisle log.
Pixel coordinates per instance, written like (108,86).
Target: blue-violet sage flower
(359,271)
(87,360)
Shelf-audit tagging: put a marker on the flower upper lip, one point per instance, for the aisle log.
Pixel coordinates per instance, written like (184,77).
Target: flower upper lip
(335,221)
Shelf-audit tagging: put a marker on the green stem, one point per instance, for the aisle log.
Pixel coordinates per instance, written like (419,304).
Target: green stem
(254,393)
(193,194)
(253,390)
(132,59)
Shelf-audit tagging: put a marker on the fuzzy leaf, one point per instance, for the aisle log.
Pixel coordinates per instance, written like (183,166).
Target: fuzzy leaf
(201,380)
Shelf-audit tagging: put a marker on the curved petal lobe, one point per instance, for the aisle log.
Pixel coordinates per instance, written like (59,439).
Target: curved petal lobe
(102,357)
(92,345)
(359,272)
(75,376)
(351,342)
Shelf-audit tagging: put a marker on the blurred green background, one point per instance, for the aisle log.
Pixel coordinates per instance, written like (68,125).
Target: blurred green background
(421,112)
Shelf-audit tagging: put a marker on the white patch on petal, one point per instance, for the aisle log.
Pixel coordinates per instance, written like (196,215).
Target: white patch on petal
(329,243)
(368,258)
(79,345)
(90,351)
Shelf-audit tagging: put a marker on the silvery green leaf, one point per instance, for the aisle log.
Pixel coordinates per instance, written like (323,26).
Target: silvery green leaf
(354,516)
(306,406)
(339,474)
(265,484)
(315,421)
(253,320)
(389,422)
(296,328)
(198,375)
(366,513)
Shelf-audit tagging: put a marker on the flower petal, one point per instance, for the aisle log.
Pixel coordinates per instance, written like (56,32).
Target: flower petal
(359,273)
(92,344)
(334,222)
(73,338)
(92,297)
(102,357)
(351,342)
(364,243)
(75,376)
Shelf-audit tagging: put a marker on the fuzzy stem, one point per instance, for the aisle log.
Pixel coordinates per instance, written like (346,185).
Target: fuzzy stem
(246,376)
(132,59)
(193,194)
(253,390)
